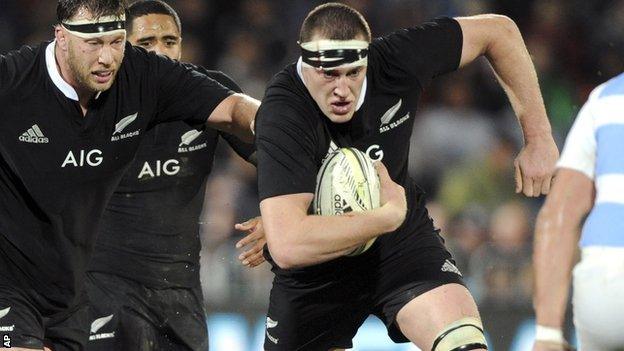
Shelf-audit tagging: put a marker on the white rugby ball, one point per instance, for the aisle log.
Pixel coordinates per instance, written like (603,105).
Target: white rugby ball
(347,181)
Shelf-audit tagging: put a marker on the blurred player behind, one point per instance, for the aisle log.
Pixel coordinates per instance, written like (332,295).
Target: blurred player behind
(143,282)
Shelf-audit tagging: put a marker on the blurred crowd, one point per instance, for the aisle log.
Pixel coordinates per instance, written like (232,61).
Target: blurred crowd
(465,136)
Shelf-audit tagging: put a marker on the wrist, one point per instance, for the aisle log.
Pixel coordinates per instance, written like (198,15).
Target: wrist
(549,334)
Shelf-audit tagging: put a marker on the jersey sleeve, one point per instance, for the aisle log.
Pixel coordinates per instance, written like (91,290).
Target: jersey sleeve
(183,93)
(412,57)
(285,149)
(13,65)
(579,151)
(242,149)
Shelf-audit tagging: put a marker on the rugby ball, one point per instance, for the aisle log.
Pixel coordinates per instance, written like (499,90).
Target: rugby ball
(347,181)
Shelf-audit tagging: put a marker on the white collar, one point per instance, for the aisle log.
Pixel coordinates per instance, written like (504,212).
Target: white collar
(55,75)
(362,93)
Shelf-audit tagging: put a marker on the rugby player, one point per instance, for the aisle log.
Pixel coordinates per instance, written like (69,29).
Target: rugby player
(588,193)
(346,90)
(74,113)
(143,281)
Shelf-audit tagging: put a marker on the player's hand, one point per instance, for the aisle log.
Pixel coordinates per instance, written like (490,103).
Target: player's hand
(255,237)
(535,165)
(550,346)
(392,196)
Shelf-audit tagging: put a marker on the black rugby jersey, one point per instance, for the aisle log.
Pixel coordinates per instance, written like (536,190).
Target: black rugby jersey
(293,136)
(150,227)
(58,168)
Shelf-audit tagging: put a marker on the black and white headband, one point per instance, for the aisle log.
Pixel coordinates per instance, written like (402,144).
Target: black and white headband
(329,54)
(105,25)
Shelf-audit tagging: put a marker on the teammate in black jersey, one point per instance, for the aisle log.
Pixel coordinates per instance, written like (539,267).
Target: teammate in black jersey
(143,281)
(144,276)
(74,112)
(347,90)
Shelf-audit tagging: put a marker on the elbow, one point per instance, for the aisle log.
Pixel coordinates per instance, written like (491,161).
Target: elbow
(282,259)
(502,30)
(283,254)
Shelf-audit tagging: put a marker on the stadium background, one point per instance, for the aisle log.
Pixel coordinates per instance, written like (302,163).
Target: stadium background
(464,141)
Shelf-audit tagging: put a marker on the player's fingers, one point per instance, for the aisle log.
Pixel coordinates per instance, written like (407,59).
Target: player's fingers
(518,176)
(247,225)
(249,238)
(527,187)
(255,235)
(382,171)
(546,185)
(256,260)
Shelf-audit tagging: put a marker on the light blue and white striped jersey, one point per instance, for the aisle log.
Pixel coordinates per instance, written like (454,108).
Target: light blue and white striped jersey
(595,146)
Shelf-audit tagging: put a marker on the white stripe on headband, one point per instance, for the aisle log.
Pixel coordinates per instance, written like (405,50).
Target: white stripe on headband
(103,19)
(95,35)
(360,62)
(110,25)
(330,54)
(326,44)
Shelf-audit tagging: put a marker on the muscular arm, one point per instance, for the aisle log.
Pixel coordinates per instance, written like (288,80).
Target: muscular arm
(235,115)
(556,235)
(297,239)
(498,39)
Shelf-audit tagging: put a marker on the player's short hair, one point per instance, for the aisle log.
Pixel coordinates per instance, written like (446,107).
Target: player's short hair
(66,9)
(151,7)
(334,21)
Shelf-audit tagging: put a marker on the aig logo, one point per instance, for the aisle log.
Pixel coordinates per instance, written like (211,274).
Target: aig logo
(168,167)
(92,158)
(375,152)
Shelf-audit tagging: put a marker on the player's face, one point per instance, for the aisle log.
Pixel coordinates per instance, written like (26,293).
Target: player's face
(336,91)
(158,33)
(94,62)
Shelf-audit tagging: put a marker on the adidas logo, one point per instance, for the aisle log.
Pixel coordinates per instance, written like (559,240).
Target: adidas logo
(450,267)
(34,135)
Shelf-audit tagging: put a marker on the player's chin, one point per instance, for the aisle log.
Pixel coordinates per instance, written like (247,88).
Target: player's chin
(102,86)
(340,118)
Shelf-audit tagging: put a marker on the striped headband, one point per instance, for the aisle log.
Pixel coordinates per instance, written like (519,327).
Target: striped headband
(329,54)
(105,25)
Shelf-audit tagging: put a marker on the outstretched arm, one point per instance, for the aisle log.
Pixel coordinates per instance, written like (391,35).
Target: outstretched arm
(235,115)
(498,39)
(556,235)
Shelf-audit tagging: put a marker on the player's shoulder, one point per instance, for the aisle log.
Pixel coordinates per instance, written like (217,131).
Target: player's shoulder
(287,96)
(610,88)
(219,76)
(17,65)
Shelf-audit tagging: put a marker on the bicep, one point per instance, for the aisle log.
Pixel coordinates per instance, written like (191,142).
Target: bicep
(479,32)
(572,194)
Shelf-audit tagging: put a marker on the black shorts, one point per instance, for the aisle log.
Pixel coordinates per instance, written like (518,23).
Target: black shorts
(126,315)
(24,325)
(323,309)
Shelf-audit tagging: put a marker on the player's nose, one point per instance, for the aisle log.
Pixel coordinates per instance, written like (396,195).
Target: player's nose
(342,87)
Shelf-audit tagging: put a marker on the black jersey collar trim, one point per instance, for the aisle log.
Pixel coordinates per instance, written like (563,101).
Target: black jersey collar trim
(55,75)
(362,93)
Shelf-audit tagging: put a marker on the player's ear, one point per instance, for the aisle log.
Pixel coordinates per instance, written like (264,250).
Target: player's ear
(61,37)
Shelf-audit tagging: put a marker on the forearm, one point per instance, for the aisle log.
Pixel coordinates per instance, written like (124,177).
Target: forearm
(317,239)
(514,69)
(235,115)
(554,251)
(243,115)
